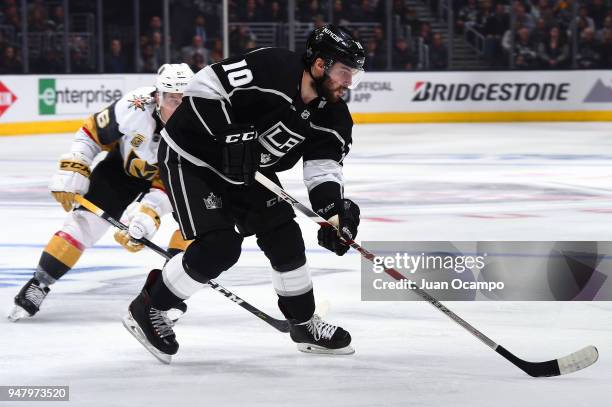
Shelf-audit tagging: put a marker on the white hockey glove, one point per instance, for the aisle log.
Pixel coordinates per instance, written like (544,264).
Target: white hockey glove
(72,178)
(143,219)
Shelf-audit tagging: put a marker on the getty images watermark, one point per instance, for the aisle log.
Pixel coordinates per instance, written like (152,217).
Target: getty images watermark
(468,271)
(410,263)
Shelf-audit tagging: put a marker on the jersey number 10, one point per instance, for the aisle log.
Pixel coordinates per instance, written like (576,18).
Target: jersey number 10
(237,76)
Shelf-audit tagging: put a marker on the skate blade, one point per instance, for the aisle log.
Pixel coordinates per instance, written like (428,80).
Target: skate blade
(310,348)
(18,313)
(132,327)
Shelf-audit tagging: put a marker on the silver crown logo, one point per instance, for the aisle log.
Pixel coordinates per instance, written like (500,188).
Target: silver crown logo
(212,202)
(265,158)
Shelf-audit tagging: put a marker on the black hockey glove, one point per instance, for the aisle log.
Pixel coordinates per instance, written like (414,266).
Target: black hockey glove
(343,213)
(239,153)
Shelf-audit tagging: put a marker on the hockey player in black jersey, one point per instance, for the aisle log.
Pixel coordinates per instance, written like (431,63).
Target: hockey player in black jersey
(260,111)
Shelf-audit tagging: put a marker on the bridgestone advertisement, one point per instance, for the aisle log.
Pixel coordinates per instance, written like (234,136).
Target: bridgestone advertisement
(482,91)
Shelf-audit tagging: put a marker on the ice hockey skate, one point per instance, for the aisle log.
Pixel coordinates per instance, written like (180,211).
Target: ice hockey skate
(151,327)
(28,300)
(318,336)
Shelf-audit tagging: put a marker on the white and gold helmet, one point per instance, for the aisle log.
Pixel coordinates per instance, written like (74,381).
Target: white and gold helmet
(173,78)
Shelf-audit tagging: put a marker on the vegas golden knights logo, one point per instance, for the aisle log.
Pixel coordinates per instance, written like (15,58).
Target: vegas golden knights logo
(137,140)
(139,168)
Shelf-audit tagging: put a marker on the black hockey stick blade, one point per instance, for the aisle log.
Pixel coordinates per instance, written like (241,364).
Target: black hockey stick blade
(281,325)
(568,364)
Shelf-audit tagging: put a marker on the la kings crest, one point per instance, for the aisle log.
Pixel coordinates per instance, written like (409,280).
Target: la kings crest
(278,140)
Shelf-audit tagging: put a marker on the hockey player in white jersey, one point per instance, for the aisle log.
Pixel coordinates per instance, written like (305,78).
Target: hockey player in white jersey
(128,130)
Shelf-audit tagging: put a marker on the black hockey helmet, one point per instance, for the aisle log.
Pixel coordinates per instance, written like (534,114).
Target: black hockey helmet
(335,43)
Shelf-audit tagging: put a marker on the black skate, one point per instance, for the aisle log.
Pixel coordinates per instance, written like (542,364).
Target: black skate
(174,313)
(318,336)
(151,327)
(28,300)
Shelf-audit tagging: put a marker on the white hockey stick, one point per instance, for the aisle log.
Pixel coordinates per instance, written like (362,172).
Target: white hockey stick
(555,367)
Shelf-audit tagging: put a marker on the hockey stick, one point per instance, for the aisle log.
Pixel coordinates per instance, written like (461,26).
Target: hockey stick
(279,324)
(567,364)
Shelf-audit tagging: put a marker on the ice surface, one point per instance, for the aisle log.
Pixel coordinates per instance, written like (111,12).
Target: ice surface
(531,181)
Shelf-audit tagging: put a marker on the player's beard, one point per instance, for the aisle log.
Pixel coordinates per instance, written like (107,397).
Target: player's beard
(330,90)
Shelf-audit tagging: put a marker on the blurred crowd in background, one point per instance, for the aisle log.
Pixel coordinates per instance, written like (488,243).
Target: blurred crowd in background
(398,35)
(545,32)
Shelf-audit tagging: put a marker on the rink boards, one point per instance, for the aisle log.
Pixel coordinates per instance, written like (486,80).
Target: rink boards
(35,104)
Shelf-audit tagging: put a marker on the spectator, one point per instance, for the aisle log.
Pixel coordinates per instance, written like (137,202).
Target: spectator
(12,18)
(425,33)
(196,47)
(378,35)
(554,52)
(199,29)
(541,9)
(606,50)
(412,20)
(403,57)
(341,14)
(37,22)
(308,13)
(486,11)
(36,5)
(158,48)
(115,62)
(563,13)
(494,28)
(438,55)
(239,38)
(522,18)
(525,48)
(365,13)
(79,55)
(146,62)
(197,62)
(155,25)
(250,44)
(216,53)
(584,21)
(467,16)
(10,62)
(3,41)
(607,27)
(588,56)
(274,12)
(540,32)
(251,13)
(375,57)
(78,61)
(399,9)
(318,21)
(598,10)
(56,22)
(52,62)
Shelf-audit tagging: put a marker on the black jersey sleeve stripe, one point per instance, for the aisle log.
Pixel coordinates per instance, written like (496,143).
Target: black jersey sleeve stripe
(227,117)
(195,110)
